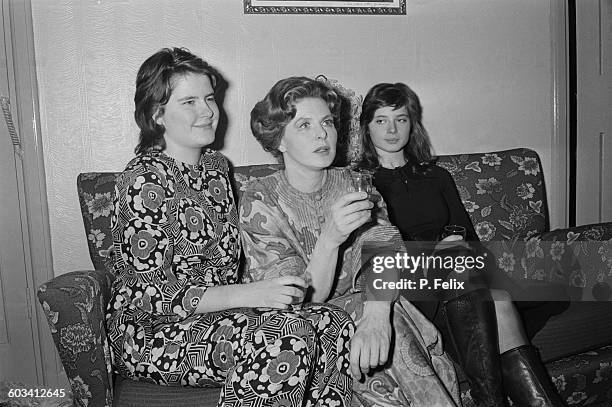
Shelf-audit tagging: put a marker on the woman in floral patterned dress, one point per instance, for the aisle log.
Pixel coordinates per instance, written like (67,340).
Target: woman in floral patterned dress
(177,315)
(306,220)
(422,198)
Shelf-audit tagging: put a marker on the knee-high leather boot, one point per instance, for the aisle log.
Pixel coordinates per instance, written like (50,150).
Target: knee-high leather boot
(472,326)
(526,380)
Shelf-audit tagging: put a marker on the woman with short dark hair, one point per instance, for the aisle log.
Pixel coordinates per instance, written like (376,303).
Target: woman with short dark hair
(307,220)
(177,315)
(154,85)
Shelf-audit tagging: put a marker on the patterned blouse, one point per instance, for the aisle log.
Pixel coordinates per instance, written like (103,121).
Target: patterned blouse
(175,234)
(280,227)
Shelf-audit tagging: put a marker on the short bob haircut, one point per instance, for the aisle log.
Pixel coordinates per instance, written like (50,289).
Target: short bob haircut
(154,85)
(397,95)
(271,115)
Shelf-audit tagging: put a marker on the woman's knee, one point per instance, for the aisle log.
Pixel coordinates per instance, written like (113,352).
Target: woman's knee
(292,324)
(332,315)
(500,296)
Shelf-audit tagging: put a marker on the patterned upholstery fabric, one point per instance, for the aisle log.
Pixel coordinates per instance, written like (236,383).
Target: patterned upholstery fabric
(580,258)
(503,193)
(96,195)
(75,304)
(582,380)
(586,379)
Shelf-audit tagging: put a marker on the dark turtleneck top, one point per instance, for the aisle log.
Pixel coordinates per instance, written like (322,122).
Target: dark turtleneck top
(421,203)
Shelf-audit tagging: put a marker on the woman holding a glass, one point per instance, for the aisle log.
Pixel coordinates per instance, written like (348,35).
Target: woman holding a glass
(309,219)
(177,315)
(424,204)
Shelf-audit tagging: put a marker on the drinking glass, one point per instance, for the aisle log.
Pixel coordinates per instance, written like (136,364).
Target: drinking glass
(362,181)
(297,305)
(450,230)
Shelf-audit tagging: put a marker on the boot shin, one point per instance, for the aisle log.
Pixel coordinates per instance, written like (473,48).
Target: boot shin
(472,326)
(526,379)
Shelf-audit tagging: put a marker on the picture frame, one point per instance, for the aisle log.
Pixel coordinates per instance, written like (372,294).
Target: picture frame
(383,7)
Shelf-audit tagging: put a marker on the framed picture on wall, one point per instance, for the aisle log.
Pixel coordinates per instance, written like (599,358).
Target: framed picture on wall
(324,7)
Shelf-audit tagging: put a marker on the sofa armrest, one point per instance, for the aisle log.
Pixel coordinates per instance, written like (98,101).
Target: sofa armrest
(75,306)
(579,258)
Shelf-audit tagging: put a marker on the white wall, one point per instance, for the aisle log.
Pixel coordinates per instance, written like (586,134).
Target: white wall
(482,68)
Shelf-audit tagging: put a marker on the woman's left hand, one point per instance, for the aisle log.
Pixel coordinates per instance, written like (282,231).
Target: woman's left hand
(371,342)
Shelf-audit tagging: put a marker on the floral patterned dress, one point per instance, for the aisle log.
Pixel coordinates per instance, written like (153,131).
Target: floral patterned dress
(280,227)
(175,235)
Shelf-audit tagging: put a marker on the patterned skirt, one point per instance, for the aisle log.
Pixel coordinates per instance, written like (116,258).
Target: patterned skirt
(260,356)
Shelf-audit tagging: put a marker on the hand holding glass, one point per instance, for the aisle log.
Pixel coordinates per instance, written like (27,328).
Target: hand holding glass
(362,181)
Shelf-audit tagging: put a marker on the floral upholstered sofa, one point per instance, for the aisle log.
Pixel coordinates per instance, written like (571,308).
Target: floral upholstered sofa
(504,194)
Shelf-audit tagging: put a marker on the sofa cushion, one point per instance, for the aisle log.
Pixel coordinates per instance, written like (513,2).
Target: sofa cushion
(583,326)
(502,191)
(132,393)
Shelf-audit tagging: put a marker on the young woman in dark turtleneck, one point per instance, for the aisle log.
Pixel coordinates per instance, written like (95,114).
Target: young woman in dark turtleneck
(489,337)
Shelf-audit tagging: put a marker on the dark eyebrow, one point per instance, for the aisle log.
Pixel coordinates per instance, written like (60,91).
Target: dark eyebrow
(386,116)
(195,97)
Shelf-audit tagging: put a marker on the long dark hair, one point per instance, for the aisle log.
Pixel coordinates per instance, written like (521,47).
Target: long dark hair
(418,151)
(154,85)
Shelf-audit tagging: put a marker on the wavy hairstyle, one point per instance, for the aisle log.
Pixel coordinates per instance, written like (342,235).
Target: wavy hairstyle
(271,115)
(154,85)
(418,150)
